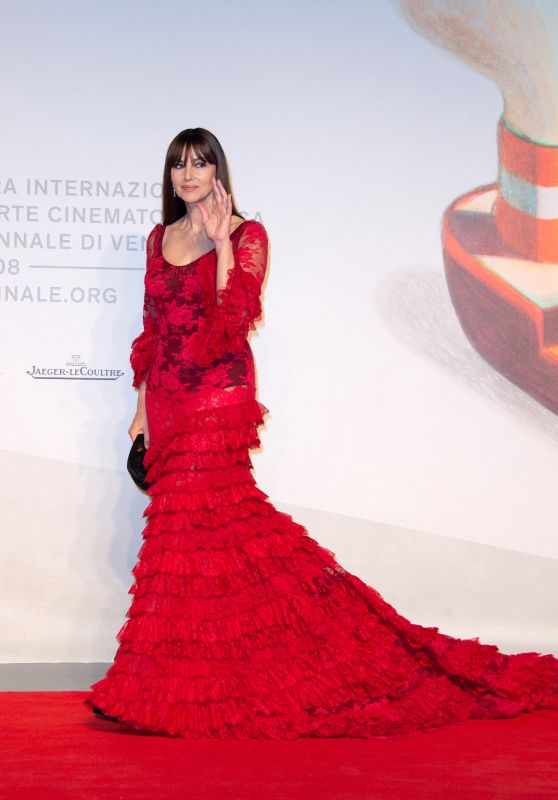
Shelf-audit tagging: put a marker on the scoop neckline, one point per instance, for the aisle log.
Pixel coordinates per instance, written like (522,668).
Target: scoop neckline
(203,255)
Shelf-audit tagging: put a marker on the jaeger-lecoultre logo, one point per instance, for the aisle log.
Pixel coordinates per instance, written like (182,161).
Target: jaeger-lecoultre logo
(76,370)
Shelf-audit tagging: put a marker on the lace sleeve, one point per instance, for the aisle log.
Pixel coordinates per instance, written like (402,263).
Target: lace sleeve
(143,345)
(236,307)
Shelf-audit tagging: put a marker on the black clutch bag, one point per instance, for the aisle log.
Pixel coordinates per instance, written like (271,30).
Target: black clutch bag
(135,463)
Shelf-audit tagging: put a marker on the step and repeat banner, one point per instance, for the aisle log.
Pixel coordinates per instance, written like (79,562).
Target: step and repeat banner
(348,131)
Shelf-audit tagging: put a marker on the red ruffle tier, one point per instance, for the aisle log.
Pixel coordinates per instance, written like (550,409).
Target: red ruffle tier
(242,626)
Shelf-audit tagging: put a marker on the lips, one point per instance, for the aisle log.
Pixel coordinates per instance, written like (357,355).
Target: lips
(189,188)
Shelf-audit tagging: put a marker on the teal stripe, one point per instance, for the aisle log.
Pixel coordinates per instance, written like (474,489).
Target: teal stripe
(518,192)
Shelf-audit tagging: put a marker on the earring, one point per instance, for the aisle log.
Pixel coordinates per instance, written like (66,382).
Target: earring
(173,191)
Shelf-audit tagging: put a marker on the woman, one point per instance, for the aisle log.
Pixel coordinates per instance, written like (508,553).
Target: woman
(241,625)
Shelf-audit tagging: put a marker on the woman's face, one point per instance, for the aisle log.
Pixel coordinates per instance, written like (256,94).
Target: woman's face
(192,178)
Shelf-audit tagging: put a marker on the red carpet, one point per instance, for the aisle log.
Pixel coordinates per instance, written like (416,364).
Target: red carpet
(52,748)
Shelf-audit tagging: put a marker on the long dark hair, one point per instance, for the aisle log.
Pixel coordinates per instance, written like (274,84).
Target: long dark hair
(207,146)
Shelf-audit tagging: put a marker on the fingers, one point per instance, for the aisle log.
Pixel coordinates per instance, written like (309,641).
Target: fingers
(217,195)
(221,211)
(139,425)
(216,191)
(221,196)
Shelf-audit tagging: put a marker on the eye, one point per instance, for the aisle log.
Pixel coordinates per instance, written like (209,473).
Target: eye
(179,165)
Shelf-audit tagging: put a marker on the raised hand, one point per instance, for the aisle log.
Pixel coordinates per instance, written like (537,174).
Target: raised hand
(217,224)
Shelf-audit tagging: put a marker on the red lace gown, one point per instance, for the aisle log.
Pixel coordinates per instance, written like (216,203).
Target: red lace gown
(241,625)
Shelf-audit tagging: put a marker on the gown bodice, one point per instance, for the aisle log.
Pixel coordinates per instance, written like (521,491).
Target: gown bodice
(194,337)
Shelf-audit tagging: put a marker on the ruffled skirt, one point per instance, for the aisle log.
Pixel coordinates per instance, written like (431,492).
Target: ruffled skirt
(242,626)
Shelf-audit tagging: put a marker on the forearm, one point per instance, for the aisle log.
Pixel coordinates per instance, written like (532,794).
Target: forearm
(141,394)
(225,261)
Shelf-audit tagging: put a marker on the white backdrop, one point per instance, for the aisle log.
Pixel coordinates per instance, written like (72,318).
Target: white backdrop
(347,135)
